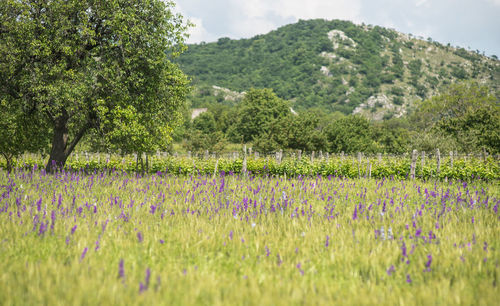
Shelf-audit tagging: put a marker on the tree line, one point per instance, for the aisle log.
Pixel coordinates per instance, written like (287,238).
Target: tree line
(465,118)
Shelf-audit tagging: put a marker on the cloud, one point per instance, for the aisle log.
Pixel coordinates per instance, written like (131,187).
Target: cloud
(198,33)
(494,2)
(461,22)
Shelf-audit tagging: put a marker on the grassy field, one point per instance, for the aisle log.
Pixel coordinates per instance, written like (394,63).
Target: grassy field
(114,238)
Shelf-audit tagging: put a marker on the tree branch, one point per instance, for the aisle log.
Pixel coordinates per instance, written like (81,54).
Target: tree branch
(77,139)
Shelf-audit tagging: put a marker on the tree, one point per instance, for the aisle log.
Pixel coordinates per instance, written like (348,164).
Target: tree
(260,109)
(467,112)
(99,68)
(18,133)
(351,134)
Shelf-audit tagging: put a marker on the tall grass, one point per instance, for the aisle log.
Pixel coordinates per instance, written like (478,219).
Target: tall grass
(115,238)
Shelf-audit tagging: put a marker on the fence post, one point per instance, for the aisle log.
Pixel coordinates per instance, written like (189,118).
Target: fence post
(216,166)
(413,164)
(359,164)
(244,168)
(342,156)
(379,157)
(451,159)
(369,169)
(438,161)
(312,156)
(299,154)
(422,164)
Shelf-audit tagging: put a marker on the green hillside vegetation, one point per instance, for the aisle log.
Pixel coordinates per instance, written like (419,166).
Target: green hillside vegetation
(334,66)
(339,87)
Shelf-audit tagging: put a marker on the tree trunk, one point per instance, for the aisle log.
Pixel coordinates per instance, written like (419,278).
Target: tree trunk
(58,155)
(61,147)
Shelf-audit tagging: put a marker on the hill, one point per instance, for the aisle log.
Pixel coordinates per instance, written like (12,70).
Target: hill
(334,66)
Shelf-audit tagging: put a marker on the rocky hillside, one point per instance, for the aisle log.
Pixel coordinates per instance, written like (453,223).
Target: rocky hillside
(335,66)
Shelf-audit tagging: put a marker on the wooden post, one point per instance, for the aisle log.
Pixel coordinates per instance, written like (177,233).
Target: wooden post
(379,157)
(299,154)
(321,154)
(451,159)
(413,164)
(244,168)
(422,164)
(369,170)
(312,156)
(189,154)
(342,156)
(327,157)
(438,161)
(206,154)
(359,164)
(216,166)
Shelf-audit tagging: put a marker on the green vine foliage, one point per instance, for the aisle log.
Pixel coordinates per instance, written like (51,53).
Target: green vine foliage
(388,167)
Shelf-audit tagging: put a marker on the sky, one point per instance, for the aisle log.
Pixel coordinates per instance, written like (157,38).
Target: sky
(471,24)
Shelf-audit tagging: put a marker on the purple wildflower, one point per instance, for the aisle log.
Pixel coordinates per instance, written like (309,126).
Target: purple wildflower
(428,263)
(73,229)
(121,270)
(140,237)
(147,278)
(391,270)
(418,232)
(84,253)
(162,241)
(327,242)
(408,278)
(299,266)
(231,235)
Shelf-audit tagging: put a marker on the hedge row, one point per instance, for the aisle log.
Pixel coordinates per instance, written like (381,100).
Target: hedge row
(399,168)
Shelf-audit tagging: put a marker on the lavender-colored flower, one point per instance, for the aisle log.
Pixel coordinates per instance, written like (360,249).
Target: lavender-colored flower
(121,270)
(299,266)
(428,263)
(162,241)
(147,278)
(84,253)
(391,270)
(403,250)
(73,229)
(418,233)
(231,235)
(140,237)
(408,278)
(327,242)
(268,252)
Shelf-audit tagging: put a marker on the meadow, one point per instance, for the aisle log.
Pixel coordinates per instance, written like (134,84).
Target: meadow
(111,237)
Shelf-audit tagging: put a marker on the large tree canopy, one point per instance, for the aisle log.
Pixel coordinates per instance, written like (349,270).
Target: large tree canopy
(91,67)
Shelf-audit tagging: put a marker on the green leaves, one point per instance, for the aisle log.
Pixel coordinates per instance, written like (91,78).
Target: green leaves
(101,68)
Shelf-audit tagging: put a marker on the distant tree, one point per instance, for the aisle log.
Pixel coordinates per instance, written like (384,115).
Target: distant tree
(467,112)
(100,68)
(351,134)
(260,109)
